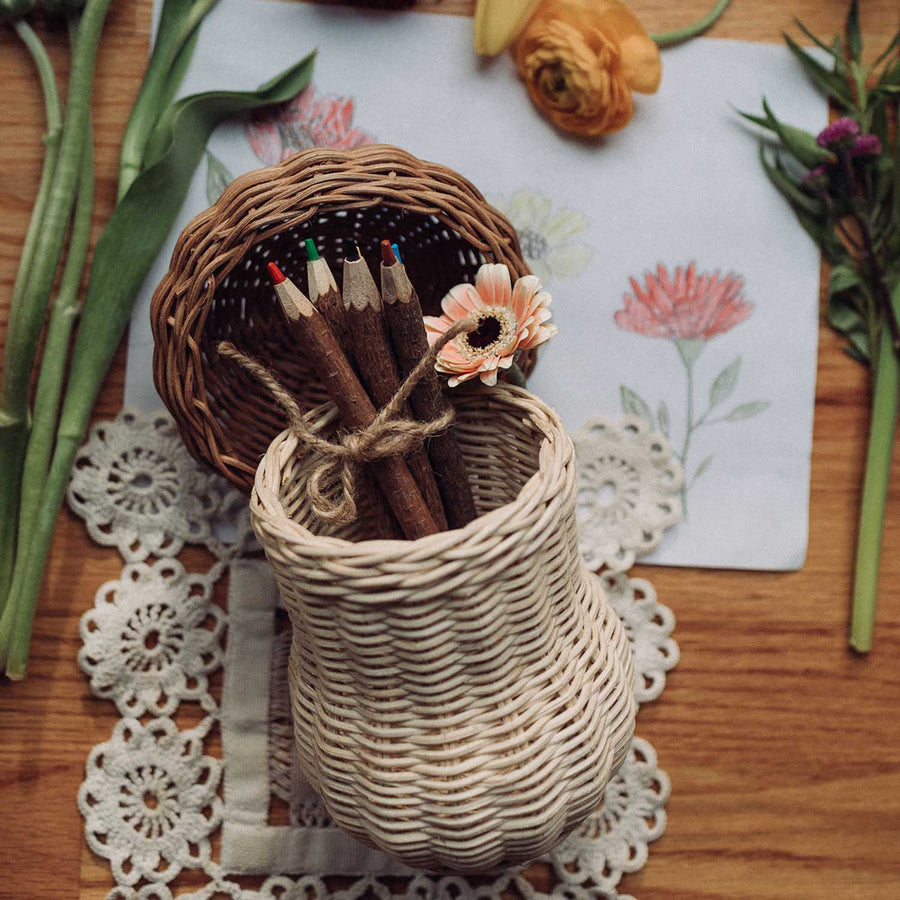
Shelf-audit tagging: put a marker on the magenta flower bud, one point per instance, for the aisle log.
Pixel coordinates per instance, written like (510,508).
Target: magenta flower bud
(814,176)
(866,145)
(838,132)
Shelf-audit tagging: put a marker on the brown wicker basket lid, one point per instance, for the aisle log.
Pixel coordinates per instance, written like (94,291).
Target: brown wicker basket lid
(217,288)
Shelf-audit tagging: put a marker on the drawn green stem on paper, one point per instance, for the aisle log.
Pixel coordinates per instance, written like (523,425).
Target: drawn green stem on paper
(688,350)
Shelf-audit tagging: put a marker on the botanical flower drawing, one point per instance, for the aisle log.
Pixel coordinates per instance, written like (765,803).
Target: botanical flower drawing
(275,133)
(547,236)
(309,120)
(690,310)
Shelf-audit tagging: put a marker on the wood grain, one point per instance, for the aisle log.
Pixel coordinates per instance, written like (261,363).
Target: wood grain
(783,747)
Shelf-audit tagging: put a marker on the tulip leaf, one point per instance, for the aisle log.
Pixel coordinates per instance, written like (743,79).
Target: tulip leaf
(217,177)
(141,222)
(725,383)
(634,405)
(747,410)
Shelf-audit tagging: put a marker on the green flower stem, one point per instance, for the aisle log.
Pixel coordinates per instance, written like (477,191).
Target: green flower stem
(18,617)
(667,38)
(875,488)
(11,441)
(53,114)
(157,87)
(23,340)
(56,348)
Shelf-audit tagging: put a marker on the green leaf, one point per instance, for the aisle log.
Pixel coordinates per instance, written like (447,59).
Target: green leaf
(801,143)
(662,416)
(702,469)
(139,226)
(790,189)
(834,50)
(830,82)
(747,410)
(634,405)
(843,278)
(891,47)
(725,383)
(859,348)
(176,39)
(217,177)
(854,38)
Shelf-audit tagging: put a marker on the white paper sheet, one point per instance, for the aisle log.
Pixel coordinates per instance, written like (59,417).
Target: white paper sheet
(682,183)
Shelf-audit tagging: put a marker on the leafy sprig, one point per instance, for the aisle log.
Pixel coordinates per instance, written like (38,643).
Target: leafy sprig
(844,188)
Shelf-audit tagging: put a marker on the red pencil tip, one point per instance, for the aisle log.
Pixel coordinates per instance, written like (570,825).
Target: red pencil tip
(276,274)
(387,254)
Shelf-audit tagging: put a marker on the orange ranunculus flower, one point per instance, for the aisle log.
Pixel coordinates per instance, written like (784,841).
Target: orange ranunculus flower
(581,60)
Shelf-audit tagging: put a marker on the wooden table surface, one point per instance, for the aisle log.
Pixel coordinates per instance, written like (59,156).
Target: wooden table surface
(783,747)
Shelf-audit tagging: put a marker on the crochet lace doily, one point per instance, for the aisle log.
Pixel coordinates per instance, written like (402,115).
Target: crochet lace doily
(159,791)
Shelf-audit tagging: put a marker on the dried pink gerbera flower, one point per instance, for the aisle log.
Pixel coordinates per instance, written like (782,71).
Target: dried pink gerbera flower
(510,318)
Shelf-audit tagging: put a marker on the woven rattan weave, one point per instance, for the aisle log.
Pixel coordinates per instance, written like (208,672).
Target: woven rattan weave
(459,701)
(217,288)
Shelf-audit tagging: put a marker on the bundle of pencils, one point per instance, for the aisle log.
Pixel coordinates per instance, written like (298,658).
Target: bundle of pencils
(362,346)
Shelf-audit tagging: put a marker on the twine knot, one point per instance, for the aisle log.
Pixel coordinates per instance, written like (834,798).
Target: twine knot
(340,461)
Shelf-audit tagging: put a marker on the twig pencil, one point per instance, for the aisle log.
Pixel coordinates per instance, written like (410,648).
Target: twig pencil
(353,404)
(325,296)
(324,293)
(371,348)
(403,314)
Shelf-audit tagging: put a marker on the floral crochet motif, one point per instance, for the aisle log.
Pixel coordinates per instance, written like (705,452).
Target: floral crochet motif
(149,800)
(304,122)
(628,486)
(145,644)
(648,627)
(150,796)
(137,488)
(614,840)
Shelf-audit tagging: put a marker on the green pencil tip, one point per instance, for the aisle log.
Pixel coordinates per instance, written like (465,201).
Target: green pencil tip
(311,252)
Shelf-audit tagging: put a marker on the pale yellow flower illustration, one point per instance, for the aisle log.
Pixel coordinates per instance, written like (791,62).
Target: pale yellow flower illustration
(547,236)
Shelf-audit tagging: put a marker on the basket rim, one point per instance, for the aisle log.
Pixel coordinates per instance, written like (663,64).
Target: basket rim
(267,508)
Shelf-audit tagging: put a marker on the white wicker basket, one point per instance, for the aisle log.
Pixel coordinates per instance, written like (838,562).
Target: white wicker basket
(459,701)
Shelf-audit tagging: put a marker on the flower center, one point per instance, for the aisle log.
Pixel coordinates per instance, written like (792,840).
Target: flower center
(485,334)
(495,330)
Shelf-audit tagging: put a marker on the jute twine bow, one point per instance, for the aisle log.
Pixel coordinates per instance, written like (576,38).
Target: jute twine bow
(388,435)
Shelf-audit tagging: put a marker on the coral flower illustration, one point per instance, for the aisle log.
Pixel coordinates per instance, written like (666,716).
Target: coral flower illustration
(686,307)
(690,310)
(309,120)
(510,318)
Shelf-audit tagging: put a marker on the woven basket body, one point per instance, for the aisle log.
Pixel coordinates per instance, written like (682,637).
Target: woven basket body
(459,701)
(217,287)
